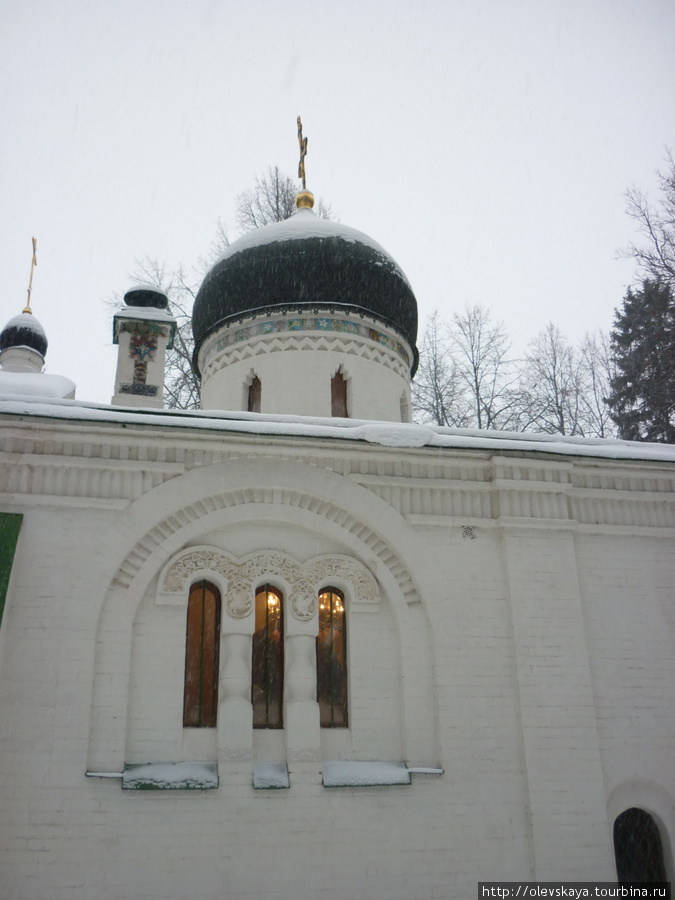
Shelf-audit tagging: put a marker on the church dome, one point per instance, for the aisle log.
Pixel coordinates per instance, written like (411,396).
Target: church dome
(305,264)
(146,296)
(24,330)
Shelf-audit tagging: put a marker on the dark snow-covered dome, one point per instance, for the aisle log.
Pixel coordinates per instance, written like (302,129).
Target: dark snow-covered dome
(146,295)
(305,263)
(24,330)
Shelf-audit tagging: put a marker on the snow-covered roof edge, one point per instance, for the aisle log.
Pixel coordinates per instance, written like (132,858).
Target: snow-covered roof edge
(151,313)
(37,385)
(385,434)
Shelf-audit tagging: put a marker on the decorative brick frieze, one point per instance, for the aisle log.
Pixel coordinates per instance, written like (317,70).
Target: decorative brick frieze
(541,492)
(281,497)
(117,466)
(86,478)
(314,332)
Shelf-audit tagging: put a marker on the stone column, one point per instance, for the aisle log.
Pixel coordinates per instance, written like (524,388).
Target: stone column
(303,730)
(235,717)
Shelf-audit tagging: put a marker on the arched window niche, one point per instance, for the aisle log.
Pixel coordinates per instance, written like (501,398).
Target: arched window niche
(338,395)
(267,665)
(202,656)
(638,848)
(254,394)
(331,660)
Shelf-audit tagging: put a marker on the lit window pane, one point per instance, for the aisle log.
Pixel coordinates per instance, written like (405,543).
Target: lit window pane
(267,683)
(331,660)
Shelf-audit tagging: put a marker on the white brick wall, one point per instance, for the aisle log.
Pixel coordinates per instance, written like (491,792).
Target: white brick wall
(533,662)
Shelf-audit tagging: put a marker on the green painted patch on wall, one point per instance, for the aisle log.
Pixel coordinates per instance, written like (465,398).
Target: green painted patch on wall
(10,525)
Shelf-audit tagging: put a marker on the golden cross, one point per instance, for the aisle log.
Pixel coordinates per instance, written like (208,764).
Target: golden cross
(303,154)
(30,283)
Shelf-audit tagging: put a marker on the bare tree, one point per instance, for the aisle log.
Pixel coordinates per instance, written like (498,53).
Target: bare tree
(465,379)
(181,383)
(438,392)
(271,199)
(551,386)
(182,387)
(656,257)
(479,351)
(598,369)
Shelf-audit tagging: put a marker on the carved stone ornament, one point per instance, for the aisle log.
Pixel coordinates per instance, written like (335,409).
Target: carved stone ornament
(366,589)
(303,601)
(349,570)
(270,564)
(193,561)
(241,577)
(239,598)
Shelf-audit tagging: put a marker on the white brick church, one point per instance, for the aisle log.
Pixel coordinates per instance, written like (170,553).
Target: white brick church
(293,645)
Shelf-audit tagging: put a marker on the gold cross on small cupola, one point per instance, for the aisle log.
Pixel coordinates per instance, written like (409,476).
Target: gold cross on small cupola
(305,198)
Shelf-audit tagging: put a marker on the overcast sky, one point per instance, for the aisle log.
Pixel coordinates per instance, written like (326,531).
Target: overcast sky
(487,145)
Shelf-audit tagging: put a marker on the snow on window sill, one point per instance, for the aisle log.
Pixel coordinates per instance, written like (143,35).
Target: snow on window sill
(270,776)
(348,773)
(184,776)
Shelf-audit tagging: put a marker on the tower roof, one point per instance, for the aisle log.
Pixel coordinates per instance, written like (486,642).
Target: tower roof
(146,295)
(305,263)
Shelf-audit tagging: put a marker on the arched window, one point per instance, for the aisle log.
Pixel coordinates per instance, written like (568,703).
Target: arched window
(637,847)
(405,408)
(267,682)
(202,651)
(255,395)
(338,395)
(331,660)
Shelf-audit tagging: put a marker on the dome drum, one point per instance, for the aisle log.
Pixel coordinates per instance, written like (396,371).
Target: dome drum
(295,372)
(230,341)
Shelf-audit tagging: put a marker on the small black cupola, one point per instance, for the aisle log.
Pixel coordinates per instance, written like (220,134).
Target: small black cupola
(24,330)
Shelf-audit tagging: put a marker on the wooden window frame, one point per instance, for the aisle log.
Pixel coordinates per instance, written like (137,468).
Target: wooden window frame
(202,657)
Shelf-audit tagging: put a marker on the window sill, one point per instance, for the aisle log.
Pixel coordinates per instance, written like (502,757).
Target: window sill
(349,773)
(183,776)
(270,776)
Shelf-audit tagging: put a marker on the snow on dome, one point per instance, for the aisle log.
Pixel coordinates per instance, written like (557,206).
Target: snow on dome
(26,320)
(305,224)
(305,263)
(141,295)
(24,330)
(143,286)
